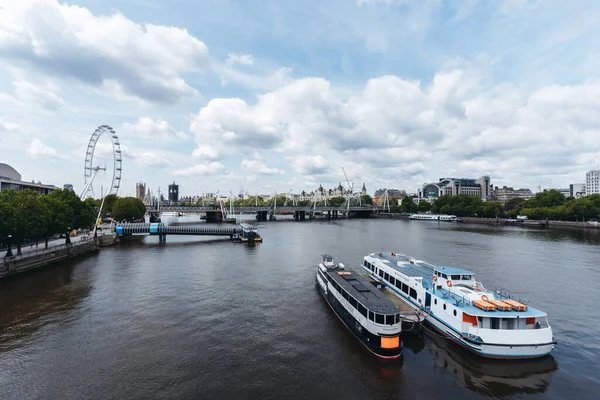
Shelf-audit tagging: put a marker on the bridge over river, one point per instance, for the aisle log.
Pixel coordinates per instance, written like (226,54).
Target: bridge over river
(216,213)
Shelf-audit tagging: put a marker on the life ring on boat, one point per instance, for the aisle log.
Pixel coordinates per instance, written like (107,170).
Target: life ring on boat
(449,283)
(485,298)
(435,278)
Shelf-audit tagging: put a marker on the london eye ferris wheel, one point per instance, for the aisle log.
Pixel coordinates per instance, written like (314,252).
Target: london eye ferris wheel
(92,166)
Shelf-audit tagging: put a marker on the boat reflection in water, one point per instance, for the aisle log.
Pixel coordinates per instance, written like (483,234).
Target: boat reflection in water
(497,378)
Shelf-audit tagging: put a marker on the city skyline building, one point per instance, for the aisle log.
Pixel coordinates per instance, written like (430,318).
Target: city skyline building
(10,179)
(577,190)
(480,187)
(173,193)
(592,182)
(505,194)
(140,191)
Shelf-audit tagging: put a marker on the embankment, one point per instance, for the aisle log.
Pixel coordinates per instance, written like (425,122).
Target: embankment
(26,262)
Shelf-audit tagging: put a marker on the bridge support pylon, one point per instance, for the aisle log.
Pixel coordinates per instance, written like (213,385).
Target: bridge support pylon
(261,215)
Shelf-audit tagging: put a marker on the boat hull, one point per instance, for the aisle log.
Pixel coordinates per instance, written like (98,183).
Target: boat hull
(351,324)
(493,351)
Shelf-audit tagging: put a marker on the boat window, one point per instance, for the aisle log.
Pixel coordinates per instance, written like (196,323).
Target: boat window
(352,301)
(345,295)
(405,288)
(386,276)
(397,318)
(393,280)
(389,320)
(455,313)
(455,277)
(444,276)
(495,323)
(444,306)
(371,316)
(364,263)
(381,273)
(466,277)
(510,323)
(362,310)
(413,293)
(435,301)
(379,319)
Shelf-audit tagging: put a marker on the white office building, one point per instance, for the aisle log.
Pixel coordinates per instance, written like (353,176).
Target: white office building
(592,182)
(577,190)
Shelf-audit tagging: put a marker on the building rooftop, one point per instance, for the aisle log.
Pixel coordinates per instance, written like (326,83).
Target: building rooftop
(10,177)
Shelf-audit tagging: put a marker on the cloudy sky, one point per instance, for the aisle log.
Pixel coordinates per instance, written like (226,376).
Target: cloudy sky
(276,95)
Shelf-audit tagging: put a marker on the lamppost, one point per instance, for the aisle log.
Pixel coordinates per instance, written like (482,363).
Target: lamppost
(9,252)
(68,239)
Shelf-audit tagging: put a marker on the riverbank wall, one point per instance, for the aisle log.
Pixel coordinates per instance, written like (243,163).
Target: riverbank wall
(504,221)
(26,262)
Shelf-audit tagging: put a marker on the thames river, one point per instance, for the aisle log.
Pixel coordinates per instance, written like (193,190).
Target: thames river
(210,319)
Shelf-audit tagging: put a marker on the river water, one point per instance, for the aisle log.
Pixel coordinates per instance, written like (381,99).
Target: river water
(210,319)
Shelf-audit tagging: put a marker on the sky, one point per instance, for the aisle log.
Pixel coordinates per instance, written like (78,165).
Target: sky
(271,96)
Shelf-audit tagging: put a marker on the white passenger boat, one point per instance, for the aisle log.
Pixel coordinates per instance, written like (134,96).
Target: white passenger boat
(371,317)
(434,217)
(171,216)
(491,324)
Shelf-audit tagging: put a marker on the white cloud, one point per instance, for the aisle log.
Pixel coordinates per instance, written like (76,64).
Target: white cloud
(8,127)
(43,95)
(404,129)
(151,160)
(243,59)
(145,61)
(311,165)
(146,128)
(38,149)
(257,165)
(212,168)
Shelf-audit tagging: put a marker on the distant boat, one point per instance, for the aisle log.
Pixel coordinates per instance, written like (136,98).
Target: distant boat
(434,217)
(171,216)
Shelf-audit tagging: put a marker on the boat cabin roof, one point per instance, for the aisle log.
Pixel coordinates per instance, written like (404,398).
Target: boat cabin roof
(247,227)
(467,306)
(363,291)
(407,266)
(453,271)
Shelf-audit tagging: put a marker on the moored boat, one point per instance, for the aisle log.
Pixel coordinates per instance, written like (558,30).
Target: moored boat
(371,317)
(434,217)
(491,324)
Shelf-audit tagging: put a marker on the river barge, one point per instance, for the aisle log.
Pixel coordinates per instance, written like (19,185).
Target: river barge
(371,317)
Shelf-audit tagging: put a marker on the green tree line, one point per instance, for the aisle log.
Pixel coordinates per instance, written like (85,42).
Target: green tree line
(28,216)
(550,204)
(553,205)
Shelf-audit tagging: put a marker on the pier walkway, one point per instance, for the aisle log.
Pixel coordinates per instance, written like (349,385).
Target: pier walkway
(161,230)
